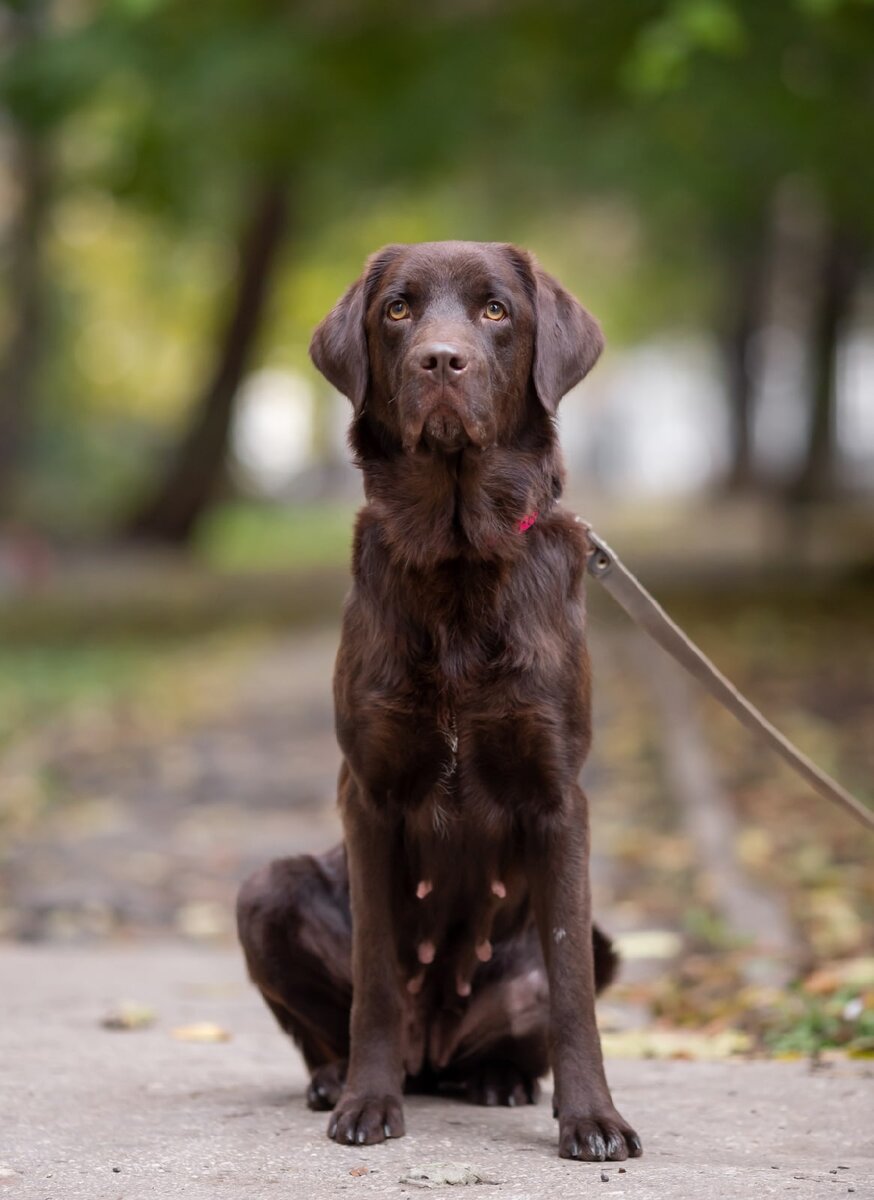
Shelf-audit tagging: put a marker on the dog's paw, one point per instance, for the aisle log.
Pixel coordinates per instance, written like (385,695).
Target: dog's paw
(598,1137)
(496,1082)
(363,1120)
(326,1084)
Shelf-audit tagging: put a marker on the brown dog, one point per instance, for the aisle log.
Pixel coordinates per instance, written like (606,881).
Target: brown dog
(449,943)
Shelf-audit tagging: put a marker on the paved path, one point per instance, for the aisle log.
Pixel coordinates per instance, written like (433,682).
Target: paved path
(88,1114)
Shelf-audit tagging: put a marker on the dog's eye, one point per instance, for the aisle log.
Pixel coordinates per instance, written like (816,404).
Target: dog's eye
(398,310)
(495,310)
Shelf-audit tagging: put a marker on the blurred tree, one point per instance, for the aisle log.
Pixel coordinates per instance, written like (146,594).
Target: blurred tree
(29,156)
(212,99)
(838,277)
(739,97)
(745,283)
(196,473)
(688,112)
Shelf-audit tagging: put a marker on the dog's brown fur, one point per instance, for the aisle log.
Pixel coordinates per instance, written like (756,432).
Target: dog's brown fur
(448,943)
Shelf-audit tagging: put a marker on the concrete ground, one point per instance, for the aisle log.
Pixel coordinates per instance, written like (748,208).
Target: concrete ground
(86,1112)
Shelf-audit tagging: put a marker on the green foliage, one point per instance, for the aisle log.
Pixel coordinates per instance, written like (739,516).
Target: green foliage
(810,1024)
(245,537)
(526,121)
(39,680)
(662,56)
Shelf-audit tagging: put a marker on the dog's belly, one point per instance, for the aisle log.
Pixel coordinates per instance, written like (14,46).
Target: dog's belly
(462,918)
(469,955)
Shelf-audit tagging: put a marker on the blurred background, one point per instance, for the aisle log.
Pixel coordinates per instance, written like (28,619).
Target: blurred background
(185,189)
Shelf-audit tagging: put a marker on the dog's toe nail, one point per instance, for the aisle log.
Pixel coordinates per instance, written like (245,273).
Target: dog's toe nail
(597,1149)
(426,952)
(484,950)
(499,889)
(424,889)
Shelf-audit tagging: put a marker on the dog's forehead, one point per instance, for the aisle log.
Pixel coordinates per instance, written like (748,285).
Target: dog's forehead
(445,269)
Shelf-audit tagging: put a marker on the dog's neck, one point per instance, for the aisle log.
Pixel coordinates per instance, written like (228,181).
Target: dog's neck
(433,507)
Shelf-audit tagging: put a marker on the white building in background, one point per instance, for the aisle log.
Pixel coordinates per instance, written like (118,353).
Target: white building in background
(273,431)
(856,413)
(649,423)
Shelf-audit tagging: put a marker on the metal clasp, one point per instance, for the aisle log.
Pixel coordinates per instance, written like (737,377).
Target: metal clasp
(601,558)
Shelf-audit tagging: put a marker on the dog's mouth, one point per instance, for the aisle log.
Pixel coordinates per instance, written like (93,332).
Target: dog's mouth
(444,429)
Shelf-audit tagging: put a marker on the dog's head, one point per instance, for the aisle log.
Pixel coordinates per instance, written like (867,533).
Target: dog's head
(443,343)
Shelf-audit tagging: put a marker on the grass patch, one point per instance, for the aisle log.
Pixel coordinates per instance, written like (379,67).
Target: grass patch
(38,680)
(808,1025)
(257,537)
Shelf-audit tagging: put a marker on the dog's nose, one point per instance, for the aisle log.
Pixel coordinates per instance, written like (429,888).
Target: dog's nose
(441,359)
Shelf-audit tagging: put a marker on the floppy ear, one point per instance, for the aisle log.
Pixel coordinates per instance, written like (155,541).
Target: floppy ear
(567,341)
(339,345)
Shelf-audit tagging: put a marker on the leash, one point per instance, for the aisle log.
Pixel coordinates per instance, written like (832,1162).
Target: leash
(605,566)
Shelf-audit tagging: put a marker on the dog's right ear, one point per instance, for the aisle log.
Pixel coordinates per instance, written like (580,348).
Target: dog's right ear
(339,344)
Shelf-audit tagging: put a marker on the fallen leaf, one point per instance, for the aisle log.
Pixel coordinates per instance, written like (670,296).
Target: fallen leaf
(129,1015)
(649,943)
(202,919)
(676,1043)
(201,1031)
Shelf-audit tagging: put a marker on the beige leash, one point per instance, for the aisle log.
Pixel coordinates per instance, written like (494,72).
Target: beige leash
(605,566)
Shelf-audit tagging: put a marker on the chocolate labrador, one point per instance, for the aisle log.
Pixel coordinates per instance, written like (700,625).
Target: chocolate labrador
(447,944)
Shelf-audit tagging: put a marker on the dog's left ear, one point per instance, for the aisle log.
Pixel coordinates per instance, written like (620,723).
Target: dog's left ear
(567,341)
(339,345)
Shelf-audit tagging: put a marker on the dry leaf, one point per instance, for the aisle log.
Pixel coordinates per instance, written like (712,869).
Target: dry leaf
(201,1031)
(649,943)
(129,1015)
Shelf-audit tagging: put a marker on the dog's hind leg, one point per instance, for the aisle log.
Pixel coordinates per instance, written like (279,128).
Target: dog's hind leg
(498,1050)
(294,923)
(495,1049)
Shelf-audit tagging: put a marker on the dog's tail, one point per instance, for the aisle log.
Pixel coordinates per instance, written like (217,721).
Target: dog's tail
(606,959)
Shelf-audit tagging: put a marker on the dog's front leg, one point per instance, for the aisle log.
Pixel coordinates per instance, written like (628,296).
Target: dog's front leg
(589,1126)
(370,1107)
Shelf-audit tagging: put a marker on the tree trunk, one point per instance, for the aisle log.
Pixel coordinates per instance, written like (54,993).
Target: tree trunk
(839,274)
(746,287)
(198,466)
(21,360)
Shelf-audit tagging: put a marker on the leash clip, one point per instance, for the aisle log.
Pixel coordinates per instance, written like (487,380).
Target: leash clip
(600,559)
